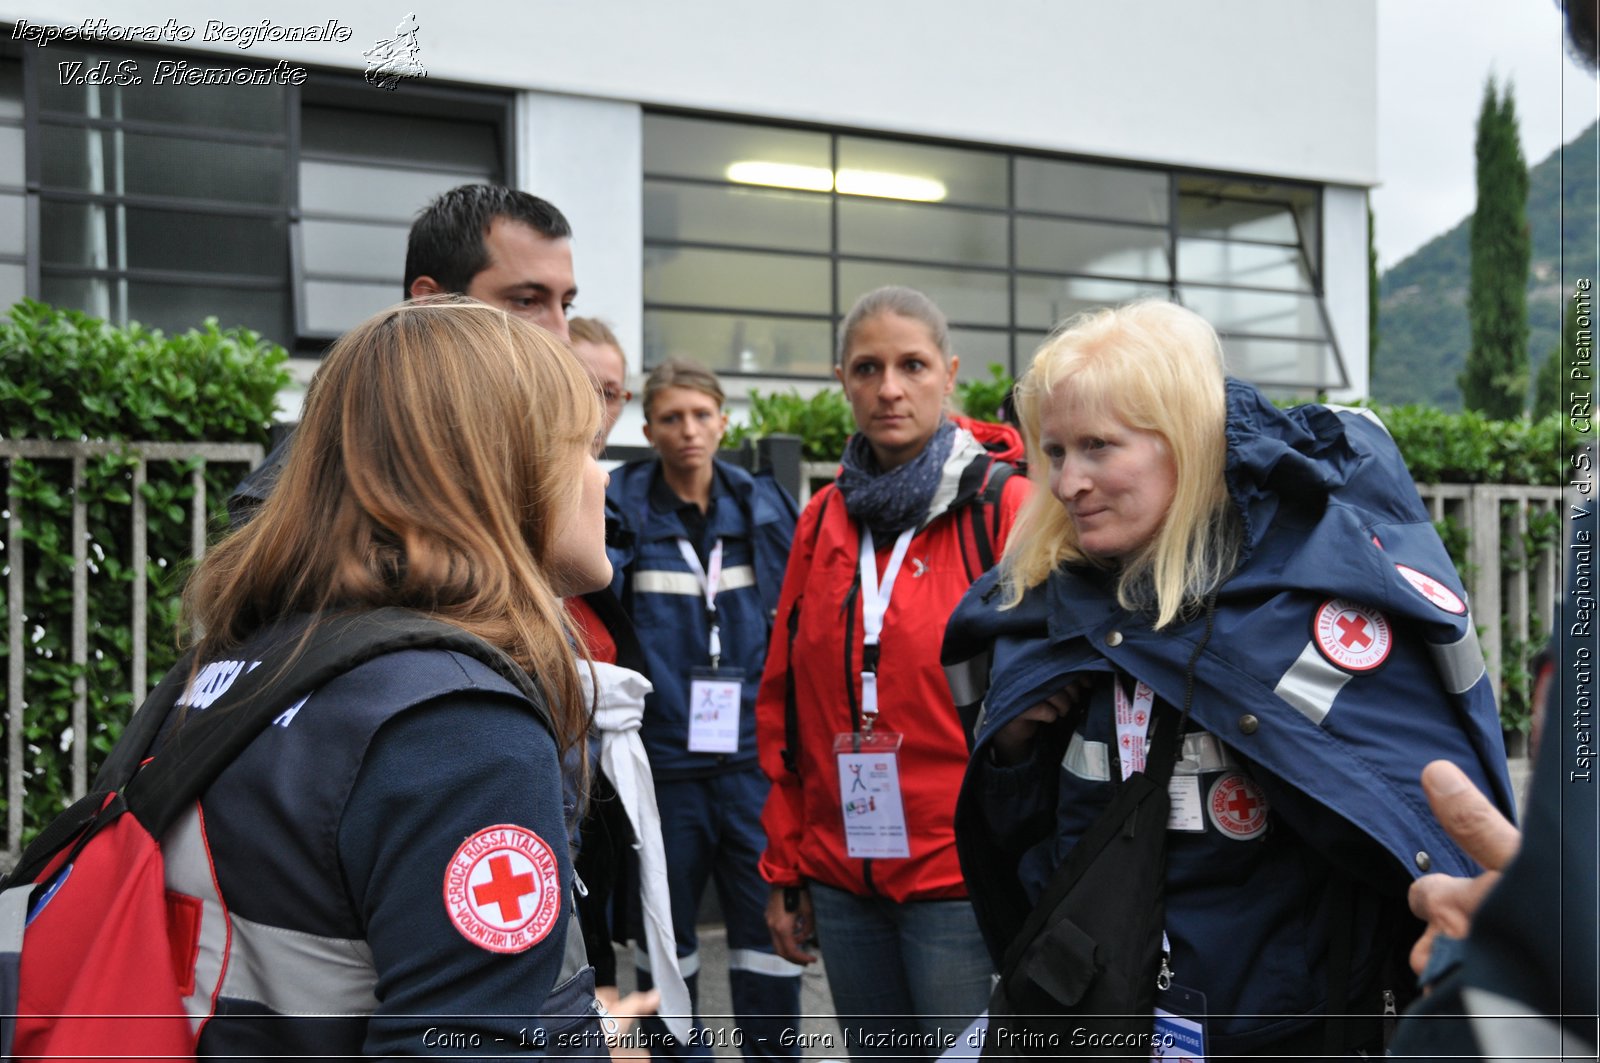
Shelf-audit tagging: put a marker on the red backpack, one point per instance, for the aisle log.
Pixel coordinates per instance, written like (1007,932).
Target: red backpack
(97,956)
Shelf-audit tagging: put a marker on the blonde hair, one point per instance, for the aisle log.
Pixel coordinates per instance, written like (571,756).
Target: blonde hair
(1156,367)
(432,470)
(592,330)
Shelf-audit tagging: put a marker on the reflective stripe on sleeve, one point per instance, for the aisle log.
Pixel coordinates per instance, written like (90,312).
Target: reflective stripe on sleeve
(968,679)
(1087,759)
(1460,663)
(1311,684)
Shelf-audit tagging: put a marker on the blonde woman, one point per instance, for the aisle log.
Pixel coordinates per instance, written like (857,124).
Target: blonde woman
(1252,602)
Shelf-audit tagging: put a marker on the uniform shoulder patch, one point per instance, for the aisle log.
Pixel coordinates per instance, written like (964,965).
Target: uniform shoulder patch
(1354,637)
(1433,590)
(502,889)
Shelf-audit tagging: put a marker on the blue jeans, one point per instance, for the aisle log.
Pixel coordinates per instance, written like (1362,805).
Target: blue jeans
(711,829)
(906,978)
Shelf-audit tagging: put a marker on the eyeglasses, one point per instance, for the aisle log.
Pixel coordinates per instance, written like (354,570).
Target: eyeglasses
(614,396)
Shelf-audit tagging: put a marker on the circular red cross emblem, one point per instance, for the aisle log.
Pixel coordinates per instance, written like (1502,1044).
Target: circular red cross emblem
(1433,590)
(1352,636)
(502,889)
(1237,807)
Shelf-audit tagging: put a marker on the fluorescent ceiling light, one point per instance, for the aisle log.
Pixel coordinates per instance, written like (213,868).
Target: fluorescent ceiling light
(849,182)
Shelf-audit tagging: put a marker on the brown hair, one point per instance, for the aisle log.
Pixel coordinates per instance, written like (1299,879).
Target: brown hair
(592,330)
(431,470)
(681,373)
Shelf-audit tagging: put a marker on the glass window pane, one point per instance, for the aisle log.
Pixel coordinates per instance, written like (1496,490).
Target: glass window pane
(693,147)
(354,249)
(1262,313)
(900,230)
(792,220)
(13,225)
(1085,247)
(1224,262)
(334,306)
(112,161)
(371,192)
(468,147)
(1236,219)
(11,148)
(92,295)
(736,280)
(728,343)
(13,283)
(1096,191)
(10,88)
(1283,362)
(246,108)
(87,235)
(968,298)
(1025,346)
(978,349)
(1045,302)
(171,307)
(895,170)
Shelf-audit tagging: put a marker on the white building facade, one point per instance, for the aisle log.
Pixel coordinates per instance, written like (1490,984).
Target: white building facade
(736,174)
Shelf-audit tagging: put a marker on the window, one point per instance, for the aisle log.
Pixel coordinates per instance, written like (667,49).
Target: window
(13,203)
(759,238)
(278,207)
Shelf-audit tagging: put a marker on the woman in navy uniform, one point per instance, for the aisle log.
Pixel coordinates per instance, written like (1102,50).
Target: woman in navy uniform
(388,861)
(1270,578)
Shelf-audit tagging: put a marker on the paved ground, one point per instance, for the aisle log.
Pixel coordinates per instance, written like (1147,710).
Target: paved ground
(819,1033)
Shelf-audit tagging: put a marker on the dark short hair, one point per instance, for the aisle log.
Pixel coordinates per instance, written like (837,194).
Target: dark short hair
(446,240)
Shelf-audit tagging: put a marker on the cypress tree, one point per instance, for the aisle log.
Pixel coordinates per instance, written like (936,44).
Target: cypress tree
(1496,378)
(1562,371)
(1372,296)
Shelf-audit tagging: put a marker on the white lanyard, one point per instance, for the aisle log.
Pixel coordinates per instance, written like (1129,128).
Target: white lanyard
(708,586)
(874,604)
(1133,723)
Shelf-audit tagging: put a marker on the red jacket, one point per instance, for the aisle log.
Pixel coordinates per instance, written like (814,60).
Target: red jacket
(816,646)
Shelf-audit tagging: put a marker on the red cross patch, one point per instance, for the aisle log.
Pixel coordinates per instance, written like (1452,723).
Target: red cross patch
(502,889)
(1433,590)
(1237,807)
(1354,637)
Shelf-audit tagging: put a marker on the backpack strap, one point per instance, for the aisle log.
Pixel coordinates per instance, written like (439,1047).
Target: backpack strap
(197,752)
(984,515)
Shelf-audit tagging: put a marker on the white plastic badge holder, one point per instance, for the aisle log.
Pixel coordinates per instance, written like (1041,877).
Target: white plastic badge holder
(1180,1035)
(1184,811)
(714,698)
(869,795)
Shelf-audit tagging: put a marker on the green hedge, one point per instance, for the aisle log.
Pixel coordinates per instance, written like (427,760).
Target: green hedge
(67,376)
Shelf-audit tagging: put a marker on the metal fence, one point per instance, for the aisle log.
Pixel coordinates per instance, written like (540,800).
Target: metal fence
(16,565)
(1511,576)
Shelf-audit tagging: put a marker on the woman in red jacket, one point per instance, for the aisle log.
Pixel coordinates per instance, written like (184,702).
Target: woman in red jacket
(856,725)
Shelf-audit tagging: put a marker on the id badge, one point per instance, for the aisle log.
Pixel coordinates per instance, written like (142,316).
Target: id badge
(714,698)
(1180,1035)
(1185,812)
(869,794)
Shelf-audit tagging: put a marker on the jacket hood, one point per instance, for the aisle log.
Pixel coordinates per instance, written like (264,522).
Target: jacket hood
(1000,440)
(976,444)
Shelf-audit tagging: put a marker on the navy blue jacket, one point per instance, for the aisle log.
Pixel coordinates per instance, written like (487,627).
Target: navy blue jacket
(1332,525)
(324,857)
(755,518)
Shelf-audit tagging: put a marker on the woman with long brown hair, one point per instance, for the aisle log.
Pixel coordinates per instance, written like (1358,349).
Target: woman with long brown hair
(390,860)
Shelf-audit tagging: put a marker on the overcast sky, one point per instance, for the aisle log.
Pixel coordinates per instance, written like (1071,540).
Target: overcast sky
(1433,57)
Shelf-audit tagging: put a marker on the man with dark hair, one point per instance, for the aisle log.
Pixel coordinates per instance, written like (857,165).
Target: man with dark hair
(499,245)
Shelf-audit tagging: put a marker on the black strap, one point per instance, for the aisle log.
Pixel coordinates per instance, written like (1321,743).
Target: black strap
(985,515)
(207,742)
